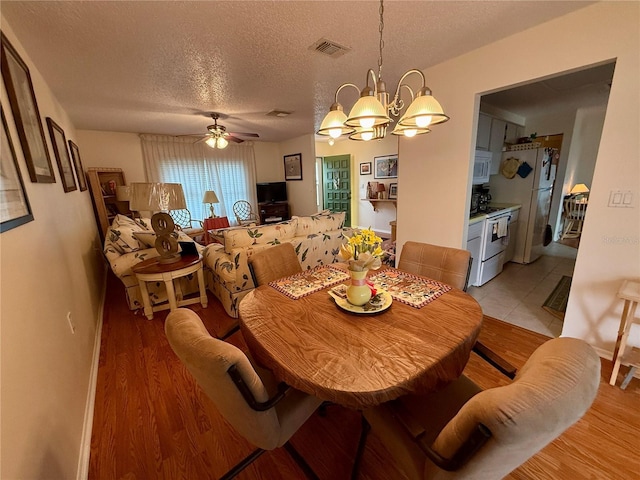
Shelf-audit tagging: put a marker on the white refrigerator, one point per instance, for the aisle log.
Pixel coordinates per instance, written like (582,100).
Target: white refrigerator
(533,193)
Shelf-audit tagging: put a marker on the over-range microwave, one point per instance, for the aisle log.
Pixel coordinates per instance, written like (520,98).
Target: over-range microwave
(481,167)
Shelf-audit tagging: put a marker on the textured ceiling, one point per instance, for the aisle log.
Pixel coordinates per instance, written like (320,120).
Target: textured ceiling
(162,67)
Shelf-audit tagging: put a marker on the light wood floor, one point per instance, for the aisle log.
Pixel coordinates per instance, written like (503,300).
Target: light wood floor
(152,422)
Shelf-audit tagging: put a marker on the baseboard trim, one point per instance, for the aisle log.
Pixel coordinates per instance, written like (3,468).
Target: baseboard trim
(87,429)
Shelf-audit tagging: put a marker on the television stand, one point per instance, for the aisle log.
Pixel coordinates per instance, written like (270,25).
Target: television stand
(273,212)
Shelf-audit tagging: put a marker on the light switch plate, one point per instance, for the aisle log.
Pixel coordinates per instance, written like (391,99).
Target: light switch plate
(621,199)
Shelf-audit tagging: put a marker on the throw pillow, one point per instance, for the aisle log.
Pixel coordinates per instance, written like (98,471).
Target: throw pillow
(121,234)
(148,239)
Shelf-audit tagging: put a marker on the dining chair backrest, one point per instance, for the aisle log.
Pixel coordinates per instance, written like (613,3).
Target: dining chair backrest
(444,264)
(209,361)
(275,262)
(551,392)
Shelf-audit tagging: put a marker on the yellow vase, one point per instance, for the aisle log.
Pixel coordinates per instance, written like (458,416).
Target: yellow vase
(358,292)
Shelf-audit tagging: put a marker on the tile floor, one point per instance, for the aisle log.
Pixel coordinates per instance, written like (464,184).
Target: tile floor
(517,294)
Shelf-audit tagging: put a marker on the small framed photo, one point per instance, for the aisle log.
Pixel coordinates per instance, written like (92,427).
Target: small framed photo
(393,191)
(62,156)
(15,209)
(385,167)
(365,168)
(293,167)
(77,163)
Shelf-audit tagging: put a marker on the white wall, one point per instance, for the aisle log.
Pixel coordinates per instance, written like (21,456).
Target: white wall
(51,266)
(362,213)
(113,150)
(302,193)
(269,162)
(584,147)
(436,168)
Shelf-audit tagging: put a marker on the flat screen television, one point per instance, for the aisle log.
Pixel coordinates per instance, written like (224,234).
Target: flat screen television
(272,192)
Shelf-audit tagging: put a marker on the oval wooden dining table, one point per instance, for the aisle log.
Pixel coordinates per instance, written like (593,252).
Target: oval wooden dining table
(360,360)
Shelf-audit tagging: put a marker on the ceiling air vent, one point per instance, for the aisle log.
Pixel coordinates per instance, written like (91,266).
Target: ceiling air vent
(329,48)
(278,113)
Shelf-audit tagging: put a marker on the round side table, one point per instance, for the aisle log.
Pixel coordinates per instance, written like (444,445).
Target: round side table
(151,270)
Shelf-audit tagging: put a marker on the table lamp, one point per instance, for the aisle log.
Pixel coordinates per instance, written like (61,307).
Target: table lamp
(381,189)
(160,198)
(210,198)
(579,190)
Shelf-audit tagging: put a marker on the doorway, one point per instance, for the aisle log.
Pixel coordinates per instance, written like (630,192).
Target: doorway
(336,185)
(574,104)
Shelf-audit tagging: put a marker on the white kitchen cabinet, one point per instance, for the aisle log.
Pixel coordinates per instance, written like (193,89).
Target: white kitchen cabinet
(474,245)
(496,143)
(481,167)
(484,132)
(513,132)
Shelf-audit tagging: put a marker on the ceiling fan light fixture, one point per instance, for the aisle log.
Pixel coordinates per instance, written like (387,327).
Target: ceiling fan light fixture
(216,142)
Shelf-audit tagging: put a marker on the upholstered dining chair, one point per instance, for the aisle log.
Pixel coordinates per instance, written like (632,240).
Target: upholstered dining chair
(463,432)
(244,213)
(273,263)
(451,266)
(444,264)
(265,414)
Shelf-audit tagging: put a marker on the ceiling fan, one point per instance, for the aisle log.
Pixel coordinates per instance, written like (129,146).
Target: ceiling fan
(218,137)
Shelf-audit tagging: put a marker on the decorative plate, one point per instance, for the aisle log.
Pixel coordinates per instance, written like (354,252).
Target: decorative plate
(367,308)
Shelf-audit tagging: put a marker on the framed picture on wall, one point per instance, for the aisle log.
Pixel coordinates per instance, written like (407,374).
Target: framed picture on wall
(393,191)
(26,114)
(62,156)
(293,167)
(15,209)
(365,168)
(77,163)
(385,167)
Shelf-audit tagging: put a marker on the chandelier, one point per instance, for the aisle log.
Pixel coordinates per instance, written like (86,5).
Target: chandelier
(371,114)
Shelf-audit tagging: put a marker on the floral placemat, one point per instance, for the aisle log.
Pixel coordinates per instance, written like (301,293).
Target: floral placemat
(410,289)
(310,281)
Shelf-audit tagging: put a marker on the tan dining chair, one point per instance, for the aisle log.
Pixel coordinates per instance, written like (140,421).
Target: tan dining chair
(462,432)
(444,264)
(275,262)
(451,266)
(265,414)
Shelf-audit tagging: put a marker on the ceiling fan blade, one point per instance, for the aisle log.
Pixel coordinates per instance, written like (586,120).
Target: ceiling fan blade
(231,138)
(255,135)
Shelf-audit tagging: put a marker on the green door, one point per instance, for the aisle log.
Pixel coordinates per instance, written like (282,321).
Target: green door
(336,173)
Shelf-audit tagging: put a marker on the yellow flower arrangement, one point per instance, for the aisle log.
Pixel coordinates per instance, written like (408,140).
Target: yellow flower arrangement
(363,251)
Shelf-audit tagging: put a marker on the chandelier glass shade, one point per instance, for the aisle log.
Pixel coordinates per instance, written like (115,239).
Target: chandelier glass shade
(371,114)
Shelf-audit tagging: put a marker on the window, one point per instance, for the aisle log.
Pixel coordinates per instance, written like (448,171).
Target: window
(229,172)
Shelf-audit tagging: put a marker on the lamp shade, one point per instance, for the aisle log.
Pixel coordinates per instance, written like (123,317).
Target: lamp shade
(333,123)
(157,197)
(381,187)
(423,111)
(217,142)
(123,193)
(210,197)
(579,188)
(367,112)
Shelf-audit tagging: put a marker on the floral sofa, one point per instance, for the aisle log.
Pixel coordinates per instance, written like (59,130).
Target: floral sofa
(128,242)
(316,240)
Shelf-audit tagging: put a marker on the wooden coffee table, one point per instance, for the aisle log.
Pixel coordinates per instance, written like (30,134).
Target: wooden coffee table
(152,271)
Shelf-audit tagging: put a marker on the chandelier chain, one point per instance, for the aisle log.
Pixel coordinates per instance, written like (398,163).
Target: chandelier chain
(380,29)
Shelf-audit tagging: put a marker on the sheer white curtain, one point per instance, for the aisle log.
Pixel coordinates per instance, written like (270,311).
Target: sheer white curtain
(229,172)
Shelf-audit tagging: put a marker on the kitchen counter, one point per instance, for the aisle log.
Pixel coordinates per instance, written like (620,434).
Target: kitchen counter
(480,216)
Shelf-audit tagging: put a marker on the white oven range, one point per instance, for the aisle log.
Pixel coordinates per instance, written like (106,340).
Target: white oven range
(495,238)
